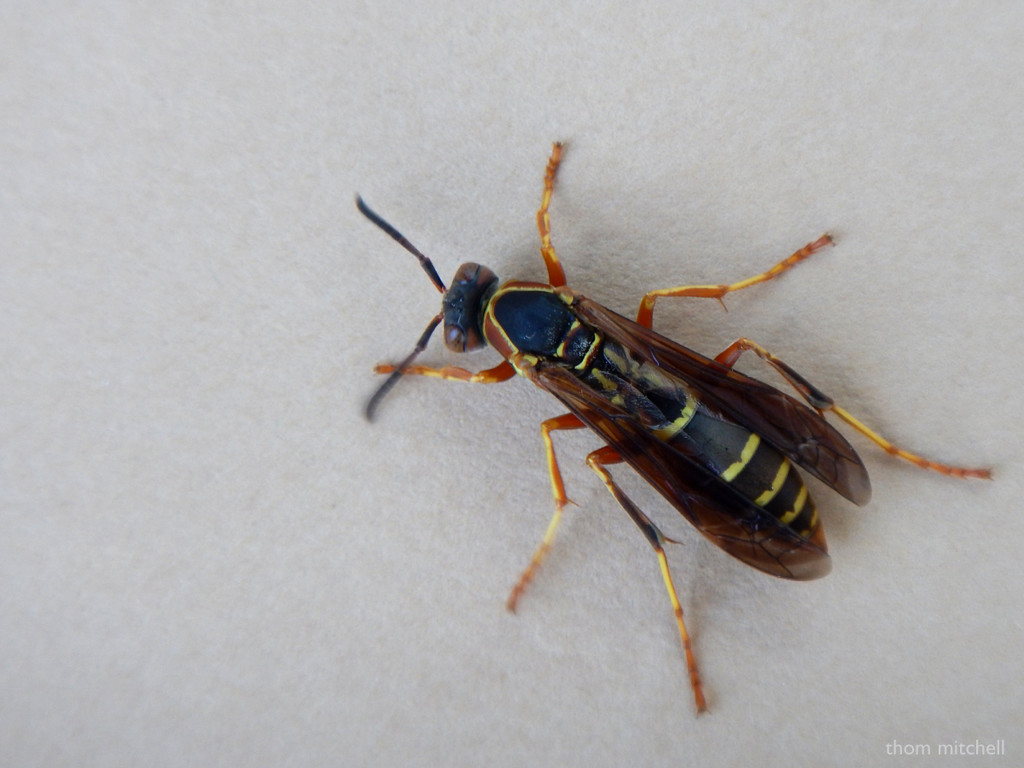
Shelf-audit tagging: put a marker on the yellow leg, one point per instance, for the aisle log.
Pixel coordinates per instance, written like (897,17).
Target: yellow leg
(823,403)
(645,315)
(597,462)
(567,421)
(501,372)
(556,275)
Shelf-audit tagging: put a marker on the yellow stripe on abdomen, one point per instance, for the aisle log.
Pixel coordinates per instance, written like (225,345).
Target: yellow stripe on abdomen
(679,423)
(746,455)
(777,483)
(798,505)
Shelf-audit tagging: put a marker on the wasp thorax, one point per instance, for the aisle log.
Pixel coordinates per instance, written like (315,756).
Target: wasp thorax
(463,306)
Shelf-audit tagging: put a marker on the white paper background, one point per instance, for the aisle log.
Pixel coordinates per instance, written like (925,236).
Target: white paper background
(207,557)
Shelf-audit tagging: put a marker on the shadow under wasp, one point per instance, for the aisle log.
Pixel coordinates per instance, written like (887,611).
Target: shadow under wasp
(720,446)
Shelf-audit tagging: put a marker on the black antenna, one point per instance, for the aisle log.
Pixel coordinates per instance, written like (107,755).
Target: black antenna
(428,267)
(392,379)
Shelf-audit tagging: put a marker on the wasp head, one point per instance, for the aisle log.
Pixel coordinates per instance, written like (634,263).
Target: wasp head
(463,307)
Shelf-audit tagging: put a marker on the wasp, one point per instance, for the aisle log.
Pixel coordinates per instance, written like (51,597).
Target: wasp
(721,447)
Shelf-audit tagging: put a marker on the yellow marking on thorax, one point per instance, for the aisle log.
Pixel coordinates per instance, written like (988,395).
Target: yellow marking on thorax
(745,456)
(606,381)
(560,350)
(522,362)
(616,358)
(608,384)
(489,317)
(595,347)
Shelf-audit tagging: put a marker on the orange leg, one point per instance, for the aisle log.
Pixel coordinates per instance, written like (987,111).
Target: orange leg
(566,421)
(597,461)
(822,403)
(556,275)
(501,372)
(645,315)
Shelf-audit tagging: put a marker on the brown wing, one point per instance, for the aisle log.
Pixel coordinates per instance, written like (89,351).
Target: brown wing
(794,429)
(727,518)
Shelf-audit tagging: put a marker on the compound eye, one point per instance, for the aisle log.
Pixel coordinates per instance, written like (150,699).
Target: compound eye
(454,338)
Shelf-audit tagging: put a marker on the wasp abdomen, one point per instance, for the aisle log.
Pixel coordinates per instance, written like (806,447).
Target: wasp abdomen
(751,465)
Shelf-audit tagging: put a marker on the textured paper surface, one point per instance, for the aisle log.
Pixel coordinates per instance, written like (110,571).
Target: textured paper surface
(208,557)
